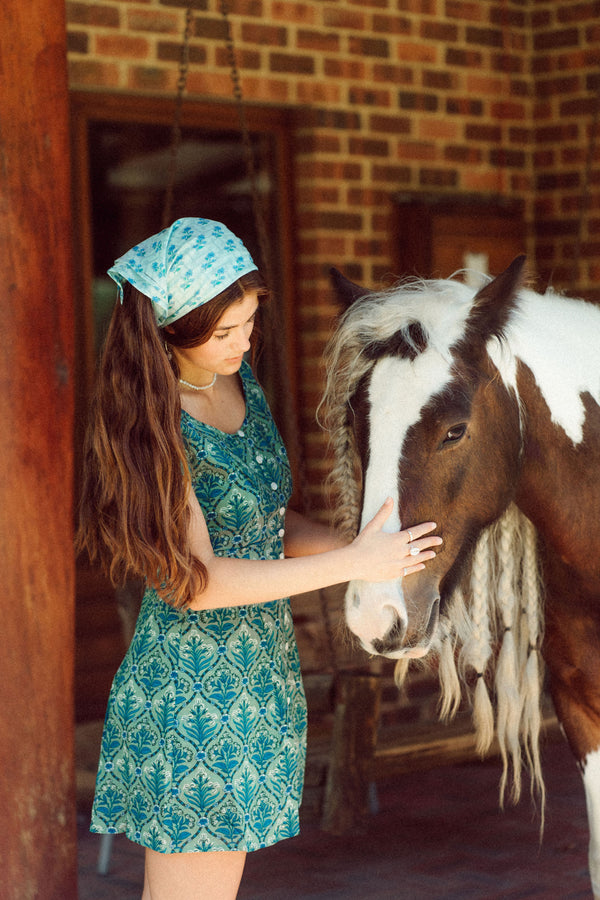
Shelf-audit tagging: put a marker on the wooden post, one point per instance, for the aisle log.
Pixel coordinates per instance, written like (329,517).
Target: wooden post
(346,800)
(37,802)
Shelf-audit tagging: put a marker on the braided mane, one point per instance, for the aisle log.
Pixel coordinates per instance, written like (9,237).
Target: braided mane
(489,636)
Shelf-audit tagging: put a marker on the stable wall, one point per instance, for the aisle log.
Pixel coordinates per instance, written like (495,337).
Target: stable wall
(445,97)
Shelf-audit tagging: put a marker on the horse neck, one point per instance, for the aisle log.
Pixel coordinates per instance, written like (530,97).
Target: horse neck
(555,343)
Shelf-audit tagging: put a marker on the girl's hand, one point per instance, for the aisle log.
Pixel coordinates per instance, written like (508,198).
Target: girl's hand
(381,556)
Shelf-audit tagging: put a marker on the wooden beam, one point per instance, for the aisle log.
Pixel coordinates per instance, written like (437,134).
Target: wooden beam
(37,834)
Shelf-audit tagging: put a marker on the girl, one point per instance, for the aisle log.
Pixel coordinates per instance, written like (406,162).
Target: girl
(186,484)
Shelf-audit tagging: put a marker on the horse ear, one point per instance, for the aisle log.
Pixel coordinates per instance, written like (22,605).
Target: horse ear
(493,303)
(346,290)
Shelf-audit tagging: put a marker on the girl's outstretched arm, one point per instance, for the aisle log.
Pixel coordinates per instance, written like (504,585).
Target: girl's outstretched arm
(373,555)
(304,536)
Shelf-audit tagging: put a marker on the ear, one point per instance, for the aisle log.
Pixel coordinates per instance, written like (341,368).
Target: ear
(493,304)
(346,290)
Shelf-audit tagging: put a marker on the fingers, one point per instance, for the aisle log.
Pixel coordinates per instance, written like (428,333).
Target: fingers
(380,517)
(418,531)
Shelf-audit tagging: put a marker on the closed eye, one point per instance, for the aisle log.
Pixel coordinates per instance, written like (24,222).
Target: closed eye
(454,434)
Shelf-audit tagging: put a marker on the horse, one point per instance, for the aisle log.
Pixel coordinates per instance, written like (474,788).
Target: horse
(478,408)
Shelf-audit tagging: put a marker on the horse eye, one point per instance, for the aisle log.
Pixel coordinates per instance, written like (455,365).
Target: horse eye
(454,433)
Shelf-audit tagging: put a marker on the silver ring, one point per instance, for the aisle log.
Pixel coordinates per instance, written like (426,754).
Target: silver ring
(414,551)
(409,533)
(405,573)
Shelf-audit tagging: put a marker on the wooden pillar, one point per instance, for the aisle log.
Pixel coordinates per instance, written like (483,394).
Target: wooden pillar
(346,801)
(37,803)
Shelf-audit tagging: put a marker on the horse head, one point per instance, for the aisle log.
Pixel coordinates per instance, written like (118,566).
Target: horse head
(416,398)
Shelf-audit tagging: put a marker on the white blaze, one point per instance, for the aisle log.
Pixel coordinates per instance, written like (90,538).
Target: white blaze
(397,393)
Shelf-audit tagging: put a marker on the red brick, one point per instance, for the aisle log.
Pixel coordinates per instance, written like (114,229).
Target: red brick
(344,68)
(245,59)
(475,131)
(508,18)
(465,10)
(416,150)
(554,40)
(268,35)
(391,24)
(319,41)
(393,74)
(439,31)
(439,178)
(184,4)
(368,146)
(390,174)
(149,78)
(317,143)
(77,42)
(417,52)
(92,73)
(291,63)
(120,45)
(578,12)
(506,62)
(364,96)
(210,27)
(465,154)
(427,7)
(367,197)
(507,110)
(294,12)
(267,90)
(342,17)
(438,81)
(369,46)
(437,129)
(484,37)
(319,92)
(582,107)
(470,59)
(389,124)
(96,14)
(153,20)
(483,181)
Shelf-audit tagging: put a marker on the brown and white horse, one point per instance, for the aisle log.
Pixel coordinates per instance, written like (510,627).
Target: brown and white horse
(480,411)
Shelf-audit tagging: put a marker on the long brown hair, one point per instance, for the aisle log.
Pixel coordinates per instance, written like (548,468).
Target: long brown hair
(134,513)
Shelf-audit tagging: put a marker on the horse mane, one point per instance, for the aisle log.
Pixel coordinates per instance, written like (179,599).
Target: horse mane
(490,633)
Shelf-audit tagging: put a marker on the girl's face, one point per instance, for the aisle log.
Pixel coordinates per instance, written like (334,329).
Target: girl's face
(224,350)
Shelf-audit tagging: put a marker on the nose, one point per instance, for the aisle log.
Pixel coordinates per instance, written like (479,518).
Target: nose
(392,639)
(243,342)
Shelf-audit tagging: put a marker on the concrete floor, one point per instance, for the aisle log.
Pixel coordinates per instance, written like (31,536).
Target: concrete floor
(438,835)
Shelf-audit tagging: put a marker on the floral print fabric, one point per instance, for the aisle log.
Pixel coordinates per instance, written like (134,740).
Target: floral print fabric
(204,739)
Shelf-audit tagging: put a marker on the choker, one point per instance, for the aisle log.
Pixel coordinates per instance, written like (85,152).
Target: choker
(199,387)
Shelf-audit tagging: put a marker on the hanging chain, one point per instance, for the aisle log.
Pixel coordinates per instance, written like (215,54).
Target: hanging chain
(261,226)
(184,64)
(263,241)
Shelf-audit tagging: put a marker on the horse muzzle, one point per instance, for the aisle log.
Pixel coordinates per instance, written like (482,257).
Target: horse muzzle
(390,622)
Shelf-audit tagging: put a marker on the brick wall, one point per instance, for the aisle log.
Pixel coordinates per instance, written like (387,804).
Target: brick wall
(566,69)
(495,97)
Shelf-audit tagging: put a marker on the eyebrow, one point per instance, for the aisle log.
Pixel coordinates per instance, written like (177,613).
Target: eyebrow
(229,327)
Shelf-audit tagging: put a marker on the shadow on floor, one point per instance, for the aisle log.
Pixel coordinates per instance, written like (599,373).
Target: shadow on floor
(438,835)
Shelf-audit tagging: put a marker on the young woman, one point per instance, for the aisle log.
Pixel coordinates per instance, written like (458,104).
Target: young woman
(186,484)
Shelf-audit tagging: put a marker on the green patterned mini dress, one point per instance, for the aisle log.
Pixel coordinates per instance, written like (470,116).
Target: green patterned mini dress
(204,740)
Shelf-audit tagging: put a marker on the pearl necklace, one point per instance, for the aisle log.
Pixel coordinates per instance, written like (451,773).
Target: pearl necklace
(199,387)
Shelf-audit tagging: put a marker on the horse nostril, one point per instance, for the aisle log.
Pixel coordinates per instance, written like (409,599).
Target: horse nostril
(433,620)
(392,639)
